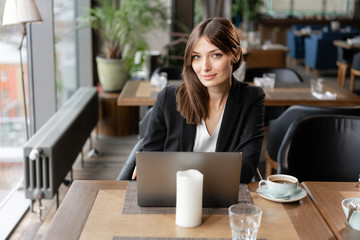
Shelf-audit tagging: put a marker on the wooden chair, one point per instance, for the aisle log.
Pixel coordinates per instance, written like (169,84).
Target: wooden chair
(342,68)
(355,70)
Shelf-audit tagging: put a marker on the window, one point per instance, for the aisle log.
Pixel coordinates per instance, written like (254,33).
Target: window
(12,124)
(65,50)
(310,8)
(55,36)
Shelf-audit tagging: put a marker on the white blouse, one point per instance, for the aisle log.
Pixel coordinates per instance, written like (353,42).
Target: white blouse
(203,141)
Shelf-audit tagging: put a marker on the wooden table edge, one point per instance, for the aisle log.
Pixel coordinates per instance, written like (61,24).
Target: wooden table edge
(68,222)
(323,213)
(71,217)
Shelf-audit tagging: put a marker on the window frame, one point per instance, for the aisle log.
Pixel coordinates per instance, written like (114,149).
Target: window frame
(41,60)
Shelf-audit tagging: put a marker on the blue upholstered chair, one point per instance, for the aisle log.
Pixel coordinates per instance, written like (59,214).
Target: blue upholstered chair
(296,43)
(320,51)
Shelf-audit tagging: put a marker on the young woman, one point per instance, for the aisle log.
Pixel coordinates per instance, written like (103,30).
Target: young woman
(210,111)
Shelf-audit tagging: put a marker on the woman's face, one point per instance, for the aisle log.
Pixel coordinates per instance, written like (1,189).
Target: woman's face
(211,65)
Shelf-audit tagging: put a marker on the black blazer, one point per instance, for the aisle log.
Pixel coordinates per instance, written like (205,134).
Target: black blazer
(241,130)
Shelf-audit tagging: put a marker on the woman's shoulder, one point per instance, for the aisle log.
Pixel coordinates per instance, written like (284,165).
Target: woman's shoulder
(168,92)
(167,96)
(242,88)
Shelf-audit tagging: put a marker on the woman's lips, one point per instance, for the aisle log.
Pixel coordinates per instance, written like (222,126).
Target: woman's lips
(208,76)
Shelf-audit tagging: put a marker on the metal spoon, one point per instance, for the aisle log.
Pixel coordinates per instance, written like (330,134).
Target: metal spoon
(352,208)
(273,194)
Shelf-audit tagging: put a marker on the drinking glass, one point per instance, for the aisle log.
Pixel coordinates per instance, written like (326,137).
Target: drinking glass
(316,85)
(270,80)
(244,221)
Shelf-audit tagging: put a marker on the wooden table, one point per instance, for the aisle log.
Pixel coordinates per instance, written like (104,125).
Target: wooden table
(300,33)
(345,45)
(93,210)
(138,93)
(327,197)
(287,94)
(114,120)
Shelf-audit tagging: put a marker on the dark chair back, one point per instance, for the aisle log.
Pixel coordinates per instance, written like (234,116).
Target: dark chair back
(282,74)
(279,126)
(129,166)
(173,72)
(322,148)
(144,123)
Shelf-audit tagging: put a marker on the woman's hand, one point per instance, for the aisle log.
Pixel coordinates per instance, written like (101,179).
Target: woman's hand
(134,174)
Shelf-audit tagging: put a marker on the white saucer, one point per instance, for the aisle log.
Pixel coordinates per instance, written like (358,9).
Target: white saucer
(298,195)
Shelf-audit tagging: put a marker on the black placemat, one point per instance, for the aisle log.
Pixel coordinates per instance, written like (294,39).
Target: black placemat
(153,238)
(131,206)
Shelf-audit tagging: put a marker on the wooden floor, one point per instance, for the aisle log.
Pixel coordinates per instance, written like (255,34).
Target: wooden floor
(107,166)
(114,152)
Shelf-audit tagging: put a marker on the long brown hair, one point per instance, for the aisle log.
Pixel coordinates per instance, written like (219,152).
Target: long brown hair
(192,96)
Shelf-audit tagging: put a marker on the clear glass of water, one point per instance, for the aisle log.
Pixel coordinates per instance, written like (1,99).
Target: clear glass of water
(316,85)
(245,221)
(270,80)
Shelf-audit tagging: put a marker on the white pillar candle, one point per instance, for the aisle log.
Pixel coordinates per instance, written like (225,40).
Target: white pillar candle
(189,194)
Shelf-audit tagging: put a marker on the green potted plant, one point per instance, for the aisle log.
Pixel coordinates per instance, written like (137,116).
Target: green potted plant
(121,26)
(250,11)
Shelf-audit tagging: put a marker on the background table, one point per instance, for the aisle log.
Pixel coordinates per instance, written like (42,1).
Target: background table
(141,93)
(116,120)
(345,45)
(93,210)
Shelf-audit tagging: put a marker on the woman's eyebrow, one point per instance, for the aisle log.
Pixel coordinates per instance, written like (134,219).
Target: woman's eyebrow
(211,51)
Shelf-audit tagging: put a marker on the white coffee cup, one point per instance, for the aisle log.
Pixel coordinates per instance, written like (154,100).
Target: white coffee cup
(354,221)
(279,185)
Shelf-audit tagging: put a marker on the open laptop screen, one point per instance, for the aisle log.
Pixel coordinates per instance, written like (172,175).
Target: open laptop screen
(156,176)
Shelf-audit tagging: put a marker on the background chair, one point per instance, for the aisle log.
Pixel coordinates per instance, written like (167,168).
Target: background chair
(355,70)
(282,74)
(320,51)
(344,58)
(295,42)
(322,148)
(173,72)
(279,126)
(129,166)
(144,123)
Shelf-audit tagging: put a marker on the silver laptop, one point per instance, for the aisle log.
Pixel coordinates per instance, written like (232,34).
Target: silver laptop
(156,177)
